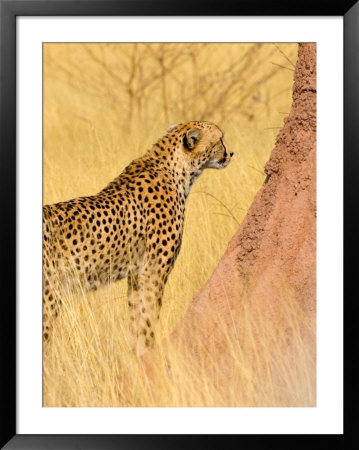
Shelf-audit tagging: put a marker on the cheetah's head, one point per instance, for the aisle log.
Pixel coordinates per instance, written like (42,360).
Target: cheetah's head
(203,146)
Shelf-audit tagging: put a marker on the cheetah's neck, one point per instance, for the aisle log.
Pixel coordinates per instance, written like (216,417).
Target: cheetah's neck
(181,173)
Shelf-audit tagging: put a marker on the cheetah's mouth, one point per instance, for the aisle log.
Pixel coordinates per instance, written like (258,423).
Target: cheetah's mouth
(219,163)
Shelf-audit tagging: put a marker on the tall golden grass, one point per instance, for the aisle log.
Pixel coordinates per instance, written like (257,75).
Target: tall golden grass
(106,104)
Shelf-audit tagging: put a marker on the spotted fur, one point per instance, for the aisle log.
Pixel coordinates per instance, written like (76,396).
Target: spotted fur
(132,228)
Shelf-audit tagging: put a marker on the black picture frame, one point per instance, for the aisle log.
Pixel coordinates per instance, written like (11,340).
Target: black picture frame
(9,10)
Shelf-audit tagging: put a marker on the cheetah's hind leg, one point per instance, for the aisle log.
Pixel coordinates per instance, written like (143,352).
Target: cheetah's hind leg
(50,307)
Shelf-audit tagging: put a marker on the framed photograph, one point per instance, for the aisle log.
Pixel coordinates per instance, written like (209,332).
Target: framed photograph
(174,178)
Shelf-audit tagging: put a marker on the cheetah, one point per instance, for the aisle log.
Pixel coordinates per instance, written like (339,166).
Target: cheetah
(132,228)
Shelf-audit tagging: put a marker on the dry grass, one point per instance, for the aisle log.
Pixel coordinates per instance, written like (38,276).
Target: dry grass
(104,105)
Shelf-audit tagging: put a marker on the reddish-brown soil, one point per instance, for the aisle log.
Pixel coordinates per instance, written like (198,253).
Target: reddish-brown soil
(276,242)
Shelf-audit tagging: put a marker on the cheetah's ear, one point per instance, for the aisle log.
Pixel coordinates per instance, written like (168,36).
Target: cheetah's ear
(171,127)
(191,138)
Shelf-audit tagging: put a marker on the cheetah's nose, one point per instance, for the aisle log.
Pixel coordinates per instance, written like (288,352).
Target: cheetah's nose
(231,154)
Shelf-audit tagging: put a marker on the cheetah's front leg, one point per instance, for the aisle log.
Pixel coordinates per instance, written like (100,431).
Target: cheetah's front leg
(133,302)
(144,300)
(147,287)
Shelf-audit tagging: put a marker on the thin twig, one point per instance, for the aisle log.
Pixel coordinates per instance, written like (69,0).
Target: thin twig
(285,56)
(219,201)
(254,168)
(283,67)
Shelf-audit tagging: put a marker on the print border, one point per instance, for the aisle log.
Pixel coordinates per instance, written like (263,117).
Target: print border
(11,9)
